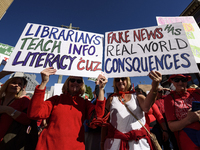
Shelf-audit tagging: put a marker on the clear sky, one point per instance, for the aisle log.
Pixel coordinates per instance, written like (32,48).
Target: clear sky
(89,15)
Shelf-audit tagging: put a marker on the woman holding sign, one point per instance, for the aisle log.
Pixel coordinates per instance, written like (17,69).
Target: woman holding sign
(123,130)
(65,114)
(182,117)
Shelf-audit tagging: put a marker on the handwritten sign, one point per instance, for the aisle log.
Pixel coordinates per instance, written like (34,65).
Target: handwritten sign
(191,29)
(71,52)
(5,51)
(138,51)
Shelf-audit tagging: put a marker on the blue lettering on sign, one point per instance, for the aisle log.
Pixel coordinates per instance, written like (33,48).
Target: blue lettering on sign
(146,64)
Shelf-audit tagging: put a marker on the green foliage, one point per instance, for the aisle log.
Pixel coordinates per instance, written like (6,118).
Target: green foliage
(89,91)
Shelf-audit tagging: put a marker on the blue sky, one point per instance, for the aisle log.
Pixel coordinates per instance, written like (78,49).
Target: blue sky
(89,15)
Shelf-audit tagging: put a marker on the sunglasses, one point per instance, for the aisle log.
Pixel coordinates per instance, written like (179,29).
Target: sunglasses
(180,79)
(160,91)
(77,80)
(118,79)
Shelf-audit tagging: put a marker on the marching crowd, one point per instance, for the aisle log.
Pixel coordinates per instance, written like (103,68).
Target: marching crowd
(123,121)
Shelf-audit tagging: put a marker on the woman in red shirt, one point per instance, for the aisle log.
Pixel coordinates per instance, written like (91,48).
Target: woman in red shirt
(12,106)
(65,113)
(181,120)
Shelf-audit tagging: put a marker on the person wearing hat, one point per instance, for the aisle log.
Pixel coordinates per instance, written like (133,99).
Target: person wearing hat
(178,110)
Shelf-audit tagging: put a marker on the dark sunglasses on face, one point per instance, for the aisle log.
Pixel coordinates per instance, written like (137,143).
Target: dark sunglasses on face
(180,79)
(118,79)
(77,80)
(160,91)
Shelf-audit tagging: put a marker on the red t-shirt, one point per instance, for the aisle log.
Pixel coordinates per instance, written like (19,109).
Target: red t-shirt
(177,108)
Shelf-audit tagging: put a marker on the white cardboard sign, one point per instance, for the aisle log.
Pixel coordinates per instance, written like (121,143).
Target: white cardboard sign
(71,52)
(191,29)
(136,52)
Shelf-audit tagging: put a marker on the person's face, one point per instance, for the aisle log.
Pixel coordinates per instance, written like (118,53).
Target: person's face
(15,86)
(75,84)
(121,84)
(180,83)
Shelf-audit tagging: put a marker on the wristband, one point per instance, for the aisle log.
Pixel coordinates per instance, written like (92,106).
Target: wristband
(155,92)
(13,113)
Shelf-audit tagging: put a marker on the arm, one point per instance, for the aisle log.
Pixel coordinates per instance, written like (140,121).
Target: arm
(4,73)
(100,105)
(38,108)
(17,113)
(158,115)
(146,103)
(173,123)
(161,121)
(180,124)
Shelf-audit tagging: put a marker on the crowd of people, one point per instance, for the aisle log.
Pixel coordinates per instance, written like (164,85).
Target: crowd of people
(66,119)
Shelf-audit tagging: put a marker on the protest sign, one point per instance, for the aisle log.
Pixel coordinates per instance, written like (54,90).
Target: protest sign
(136,52)
(71,52)
(5,51)
(92,79)
(191,29)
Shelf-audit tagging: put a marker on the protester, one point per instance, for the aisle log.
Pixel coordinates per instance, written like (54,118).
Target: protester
(122,129)
(65,114)
(158,126)
(181,120)
(93,136)
(13,108)
(160,99)
(156,122)
(162,93)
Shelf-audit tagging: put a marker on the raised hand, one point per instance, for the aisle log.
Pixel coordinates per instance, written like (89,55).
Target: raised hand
(156,78)
(102,83)
(45,76)
(102,80)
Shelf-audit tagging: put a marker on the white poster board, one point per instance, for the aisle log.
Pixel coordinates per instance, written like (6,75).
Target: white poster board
(136,52)
(192,31)
(5,51)
(71,52)
(58,88)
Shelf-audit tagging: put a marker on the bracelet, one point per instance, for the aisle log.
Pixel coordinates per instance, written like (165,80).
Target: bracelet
(155,92)
(13,113)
